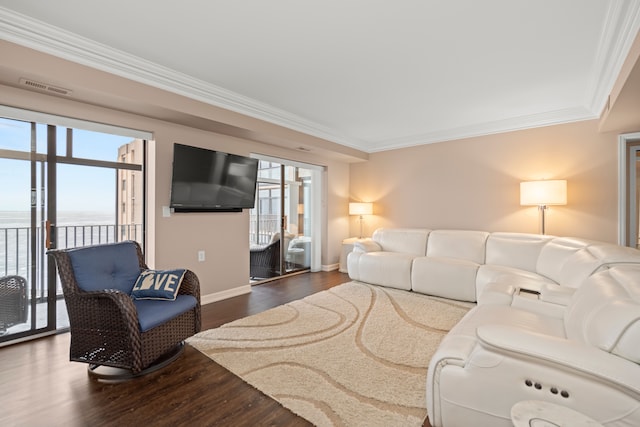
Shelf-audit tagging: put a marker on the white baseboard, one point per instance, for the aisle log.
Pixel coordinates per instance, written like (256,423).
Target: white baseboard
(222,295)
(241,290)
(330,267)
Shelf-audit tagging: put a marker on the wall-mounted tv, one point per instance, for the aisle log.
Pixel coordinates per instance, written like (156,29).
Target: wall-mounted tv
(212,181)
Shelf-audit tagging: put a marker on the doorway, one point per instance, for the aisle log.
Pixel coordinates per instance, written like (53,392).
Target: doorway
(62,187)
(629,190)
(285,222)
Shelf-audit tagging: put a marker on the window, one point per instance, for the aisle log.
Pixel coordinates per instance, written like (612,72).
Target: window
(79,187)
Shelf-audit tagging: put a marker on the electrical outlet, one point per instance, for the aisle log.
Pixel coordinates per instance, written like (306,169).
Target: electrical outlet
(200,256)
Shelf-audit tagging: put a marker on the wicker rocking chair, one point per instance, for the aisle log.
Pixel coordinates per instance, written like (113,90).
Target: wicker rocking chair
(264,261)
(106,323)
(13,302)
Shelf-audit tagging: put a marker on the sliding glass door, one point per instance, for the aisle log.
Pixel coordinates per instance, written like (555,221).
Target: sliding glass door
(281,224)
(62,187)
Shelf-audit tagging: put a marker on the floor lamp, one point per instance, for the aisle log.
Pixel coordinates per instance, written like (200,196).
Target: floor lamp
(360,209)
(543,194)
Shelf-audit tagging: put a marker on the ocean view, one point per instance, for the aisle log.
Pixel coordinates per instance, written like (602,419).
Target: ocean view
(74,228)
(90,200)
(19,219)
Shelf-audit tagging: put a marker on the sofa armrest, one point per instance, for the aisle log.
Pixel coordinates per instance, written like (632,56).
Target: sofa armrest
(366,246)
(568,355)
(497,293)
(554,294)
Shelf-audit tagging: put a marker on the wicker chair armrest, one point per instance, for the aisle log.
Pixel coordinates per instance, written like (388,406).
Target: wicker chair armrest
(99,307)
(190,285)
(267,256)
(257,249)
(119,298)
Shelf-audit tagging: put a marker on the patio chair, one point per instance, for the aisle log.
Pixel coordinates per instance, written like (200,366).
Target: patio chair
(123,315)
(264,261)
(13,302)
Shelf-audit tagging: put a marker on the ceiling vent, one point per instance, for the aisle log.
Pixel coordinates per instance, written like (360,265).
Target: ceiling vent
(45,87)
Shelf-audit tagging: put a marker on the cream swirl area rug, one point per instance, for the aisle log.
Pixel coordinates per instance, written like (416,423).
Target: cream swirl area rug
(353,355)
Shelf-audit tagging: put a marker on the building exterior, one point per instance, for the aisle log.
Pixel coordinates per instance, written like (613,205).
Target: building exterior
(130,196)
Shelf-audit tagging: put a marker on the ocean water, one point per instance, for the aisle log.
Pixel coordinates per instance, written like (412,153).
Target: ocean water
(73,228)
(14,219)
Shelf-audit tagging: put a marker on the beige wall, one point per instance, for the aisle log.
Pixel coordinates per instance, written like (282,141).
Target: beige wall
(471,183)
(474,183)
(175,241)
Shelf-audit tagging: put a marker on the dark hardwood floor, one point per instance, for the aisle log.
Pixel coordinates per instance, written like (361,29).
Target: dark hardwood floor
(40,387)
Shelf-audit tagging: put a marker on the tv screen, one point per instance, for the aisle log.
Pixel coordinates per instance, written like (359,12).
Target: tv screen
(207,180)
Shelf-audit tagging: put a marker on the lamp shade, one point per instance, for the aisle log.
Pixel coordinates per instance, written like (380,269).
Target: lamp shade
(360,208)
(543,193)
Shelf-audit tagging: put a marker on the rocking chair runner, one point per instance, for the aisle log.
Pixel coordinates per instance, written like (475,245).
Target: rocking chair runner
(108,327)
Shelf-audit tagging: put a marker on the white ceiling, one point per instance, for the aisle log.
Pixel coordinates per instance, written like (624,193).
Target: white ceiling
(368,74)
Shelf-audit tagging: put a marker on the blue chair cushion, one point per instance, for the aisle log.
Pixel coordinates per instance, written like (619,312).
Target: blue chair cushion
(112,266)
(152,312)
(158,284)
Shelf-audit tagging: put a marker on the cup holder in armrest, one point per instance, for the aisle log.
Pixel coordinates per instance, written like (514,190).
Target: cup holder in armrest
(528,293)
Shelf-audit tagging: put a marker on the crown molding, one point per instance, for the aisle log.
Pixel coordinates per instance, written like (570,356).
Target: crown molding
(621,26)
(26,31)
(567,115)
(620,29)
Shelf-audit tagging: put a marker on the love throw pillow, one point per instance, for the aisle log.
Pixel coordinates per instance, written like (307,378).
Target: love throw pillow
(158,284)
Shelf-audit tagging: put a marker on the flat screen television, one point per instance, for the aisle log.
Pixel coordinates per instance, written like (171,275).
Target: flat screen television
(212,181)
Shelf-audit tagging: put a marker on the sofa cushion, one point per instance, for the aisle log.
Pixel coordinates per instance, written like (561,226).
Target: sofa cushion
(158,284)
(605,312)
(152,313)
(611,254)
(445,277)
(390,269)
(402,240)
(567,261)
(113,266)
(461,244)
(615,328)
(517,250)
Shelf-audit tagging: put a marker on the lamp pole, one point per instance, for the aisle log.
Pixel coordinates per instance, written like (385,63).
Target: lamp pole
(542,209)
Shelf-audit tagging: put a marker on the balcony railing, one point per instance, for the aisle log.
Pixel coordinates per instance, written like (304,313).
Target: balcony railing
(16,248)
(262,227)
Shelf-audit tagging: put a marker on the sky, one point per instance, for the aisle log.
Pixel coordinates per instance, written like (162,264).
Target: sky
(80,188)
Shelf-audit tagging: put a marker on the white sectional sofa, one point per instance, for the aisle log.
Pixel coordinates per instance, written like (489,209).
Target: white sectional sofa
(557,320)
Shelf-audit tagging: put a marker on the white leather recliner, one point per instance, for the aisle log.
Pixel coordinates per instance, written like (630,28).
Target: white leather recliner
(585,359)
(557,321)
